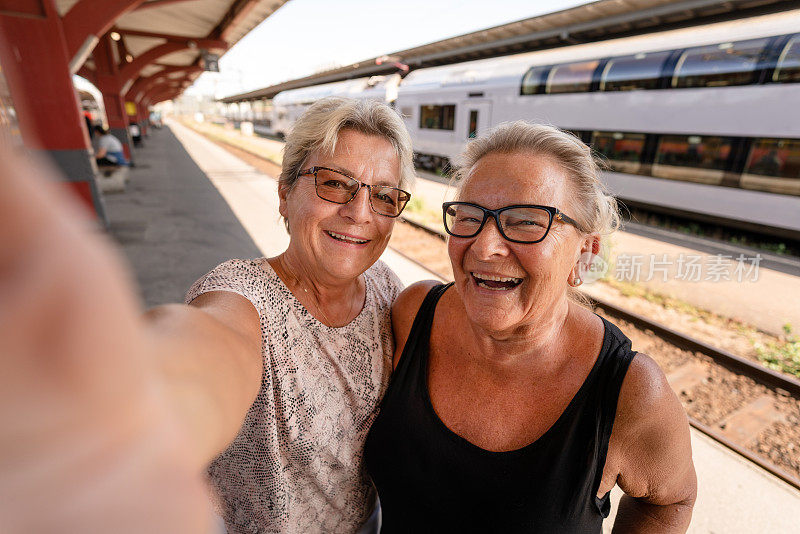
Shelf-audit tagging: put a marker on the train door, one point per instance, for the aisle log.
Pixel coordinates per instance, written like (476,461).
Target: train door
(478,118)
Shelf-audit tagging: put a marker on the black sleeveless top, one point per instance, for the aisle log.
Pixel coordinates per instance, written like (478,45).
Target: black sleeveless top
(430,479)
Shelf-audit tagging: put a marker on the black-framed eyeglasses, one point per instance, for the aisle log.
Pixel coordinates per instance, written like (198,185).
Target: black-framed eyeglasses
(335,186)
(522,223)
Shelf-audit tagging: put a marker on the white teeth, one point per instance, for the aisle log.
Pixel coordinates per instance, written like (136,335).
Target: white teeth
(492,278)
(349,239)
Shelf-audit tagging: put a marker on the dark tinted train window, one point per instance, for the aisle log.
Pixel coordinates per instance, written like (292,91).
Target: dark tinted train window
(571,77)
(719,65)
(694,151)
(627,73)
(473,124)
(437,117)
(775,157)
(618,146)
(532,81)
(788,70)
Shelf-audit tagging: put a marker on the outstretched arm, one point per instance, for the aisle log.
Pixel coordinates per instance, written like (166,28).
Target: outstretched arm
(100,410)
(651,435)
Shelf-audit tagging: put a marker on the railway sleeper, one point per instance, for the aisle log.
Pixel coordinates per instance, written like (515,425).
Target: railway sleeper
(745,424)
(686,377)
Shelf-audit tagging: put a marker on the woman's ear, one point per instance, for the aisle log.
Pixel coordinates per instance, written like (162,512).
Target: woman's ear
(591,244)
(283,195)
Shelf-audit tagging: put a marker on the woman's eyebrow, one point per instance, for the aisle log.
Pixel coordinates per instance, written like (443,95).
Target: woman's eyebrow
(350,174)
(340,169)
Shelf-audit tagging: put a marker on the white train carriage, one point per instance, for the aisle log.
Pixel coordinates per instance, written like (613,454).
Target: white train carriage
(287,106)
(716,104)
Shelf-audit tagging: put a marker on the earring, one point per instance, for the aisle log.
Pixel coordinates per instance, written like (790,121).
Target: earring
(574,280)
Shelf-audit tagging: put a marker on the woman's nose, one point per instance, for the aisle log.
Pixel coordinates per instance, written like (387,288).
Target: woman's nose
(358,209)
(489,241)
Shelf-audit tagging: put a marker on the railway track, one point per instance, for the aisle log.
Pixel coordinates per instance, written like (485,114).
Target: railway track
(738,403)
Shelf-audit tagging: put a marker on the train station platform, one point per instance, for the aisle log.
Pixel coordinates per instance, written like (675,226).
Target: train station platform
(191,204)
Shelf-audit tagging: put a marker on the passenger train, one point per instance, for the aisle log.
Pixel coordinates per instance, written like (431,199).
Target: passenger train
(717,104)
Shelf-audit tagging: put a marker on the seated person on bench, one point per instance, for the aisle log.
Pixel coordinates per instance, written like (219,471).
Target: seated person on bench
(108,150)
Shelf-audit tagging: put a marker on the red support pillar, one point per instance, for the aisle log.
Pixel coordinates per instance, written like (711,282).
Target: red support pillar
(34,58)
(109,83)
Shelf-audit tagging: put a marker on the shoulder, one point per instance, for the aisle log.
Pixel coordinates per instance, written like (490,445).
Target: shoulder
(243,277)
(385,280)
(645,387)
(406,306)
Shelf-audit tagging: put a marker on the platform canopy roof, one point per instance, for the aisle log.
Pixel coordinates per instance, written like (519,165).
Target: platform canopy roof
(596,21)
(146,29)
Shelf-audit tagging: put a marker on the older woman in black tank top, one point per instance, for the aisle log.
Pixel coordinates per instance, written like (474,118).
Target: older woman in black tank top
(512,408)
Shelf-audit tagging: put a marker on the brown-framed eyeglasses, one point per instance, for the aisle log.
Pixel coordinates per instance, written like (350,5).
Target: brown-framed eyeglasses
(335,186)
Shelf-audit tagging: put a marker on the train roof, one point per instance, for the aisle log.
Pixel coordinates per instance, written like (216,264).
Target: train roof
(591,22)
(370,86)
(500,69)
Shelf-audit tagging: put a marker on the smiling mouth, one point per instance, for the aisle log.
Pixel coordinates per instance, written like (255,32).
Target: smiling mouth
(496,283)
(346,238)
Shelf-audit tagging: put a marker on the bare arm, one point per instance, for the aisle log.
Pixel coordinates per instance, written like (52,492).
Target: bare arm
(404,310)
(209,354)
(88,439)
(654,455)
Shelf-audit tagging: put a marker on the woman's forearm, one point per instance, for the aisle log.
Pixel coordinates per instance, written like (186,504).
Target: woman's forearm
(211,374)
(636,516)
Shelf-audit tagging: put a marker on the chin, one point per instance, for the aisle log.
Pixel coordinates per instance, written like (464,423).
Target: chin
(347,268)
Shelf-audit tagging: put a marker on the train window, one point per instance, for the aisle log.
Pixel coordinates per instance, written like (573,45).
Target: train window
(775,157)
(437,117)
(473,124)
(623,151)
(788,70)
(692,157)
(640,71)
(532,82)
(571,77)
(719,65)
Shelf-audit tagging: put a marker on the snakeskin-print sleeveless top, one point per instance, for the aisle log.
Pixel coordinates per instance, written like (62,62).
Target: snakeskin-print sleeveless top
(297,463)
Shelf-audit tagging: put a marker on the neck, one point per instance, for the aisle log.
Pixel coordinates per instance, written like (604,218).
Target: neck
(333,302)
(529,344)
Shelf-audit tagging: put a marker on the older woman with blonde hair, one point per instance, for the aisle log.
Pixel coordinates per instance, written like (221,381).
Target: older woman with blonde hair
(513,408)
(310,329)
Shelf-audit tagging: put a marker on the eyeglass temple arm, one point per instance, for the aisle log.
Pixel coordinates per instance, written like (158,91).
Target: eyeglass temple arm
(566,218)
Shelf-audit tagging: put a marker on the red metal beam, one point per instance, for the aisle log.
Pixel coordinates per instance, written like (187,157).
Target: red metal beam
(108,82)
(238,11)
(141,85)
(131,70)
(164,94)
(158,3)
(33,54)
(89,19)
(156,35)
(89,74)
(160,88)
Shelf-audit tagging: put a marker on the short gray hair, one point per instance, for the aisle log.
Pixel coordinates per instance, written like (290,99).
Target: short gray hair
(318,129)
(596,209)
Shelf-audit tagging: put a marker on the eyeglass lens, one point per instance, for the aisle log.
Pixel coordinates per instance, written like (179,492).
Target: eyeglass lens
(518,224)
(336,187)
